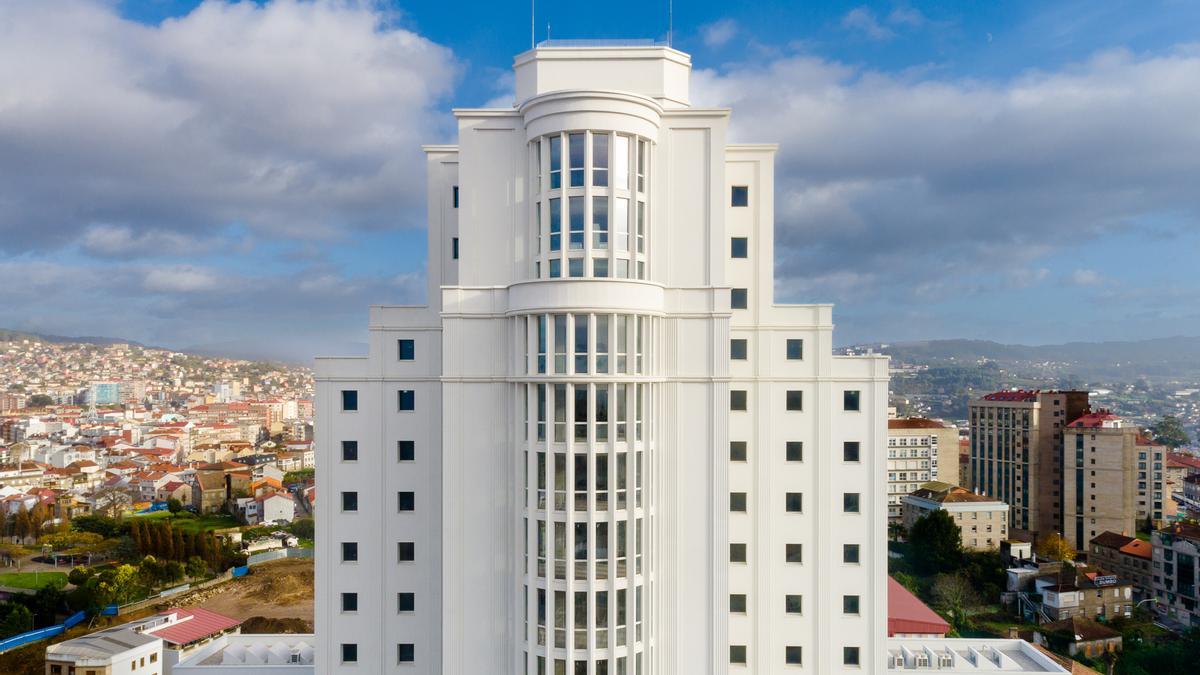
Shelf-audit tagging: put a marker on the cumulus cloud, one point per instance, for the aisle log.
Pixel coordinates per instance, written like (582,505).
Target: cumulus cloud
(1085,277)
(181,279)
(908,16)
(291,118)
(887,183)
(718,33)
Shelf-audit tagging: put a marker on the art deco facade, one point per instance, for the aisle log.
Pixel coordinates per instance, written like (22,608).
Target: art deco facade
(601,447)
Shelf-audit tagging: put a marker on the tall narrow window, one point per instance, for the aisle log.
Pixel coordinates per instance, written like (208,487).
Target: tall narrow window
(641,229)
(622,412)
(454,248)
(555,162)
(600,160)
(621,163)
(541,412)
(541,343)
(575,147)
(575,222)
(641,166)
(601,414)
(622,344)
(621,224)
(560,413)
(602,322)
(600,222)
(641,342)
(454,197)
(556,224)
(581,343)
(581,412)
(560,343)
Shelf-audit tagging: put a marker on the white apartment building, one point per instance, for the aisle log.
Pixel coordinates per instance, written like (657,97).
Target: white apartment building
(601,447)
(919,450)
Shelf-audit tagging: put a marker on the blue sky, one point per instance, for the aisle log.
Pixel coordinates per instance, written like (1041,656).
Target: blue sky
(219,174)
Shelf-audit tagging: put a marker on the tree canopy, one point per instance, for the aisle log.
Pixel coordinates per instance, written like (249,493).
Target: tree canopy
(936,543)
(1169,431)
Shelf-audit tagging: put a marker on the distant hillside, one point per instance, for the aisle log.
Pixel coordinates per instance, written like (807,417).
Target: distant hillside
(1125,360)
(15,335)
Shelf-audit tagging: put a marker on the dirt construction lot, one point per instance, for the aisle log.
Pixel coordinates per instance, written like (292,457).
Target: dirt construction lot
(281,589)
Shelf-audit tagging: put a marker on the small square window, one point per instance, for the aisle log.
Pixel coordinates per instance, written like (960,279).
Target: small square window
(739,247)
(737,451)
(406,501)
(454,195)
(850,502)
(795,451)
(406,551)
(406,602)
(406,652)
(737,603)
(850,553)
(350,501)
(850,604)
(850,656)
(850,451)
(739,195)
(737,298)
(349,652)
(349,602)
(454,248)
(407,349)
(406,400)
(793,656)
(793,604)
(737,399)
(349,451)
(737,502)
(794,553)
(737,553)
(737,654)
(795,349)
(794,502)
(795,400)
(349,551)
(349,400)
(406,451)
(737,349)
(850,400)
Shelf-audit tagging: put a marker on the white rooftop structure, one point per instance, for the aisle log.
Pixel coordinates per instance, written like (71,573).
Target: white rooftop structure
(282,654)
(968,655)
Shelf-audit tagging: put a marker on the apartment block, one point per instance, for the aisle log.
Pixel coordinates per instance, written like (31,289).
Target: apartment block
(1113,478)
(1176,551)
(602,446)
(1127,557)
(919,450)
(1016,453)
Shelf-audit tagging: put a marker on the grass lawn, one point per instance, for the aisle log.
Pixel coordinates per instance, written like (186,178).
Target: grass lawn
(33,580)
(206,523)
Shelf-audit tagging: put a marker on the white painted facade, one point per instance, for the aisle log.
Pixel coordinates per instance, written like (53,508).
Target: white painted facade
(601,474)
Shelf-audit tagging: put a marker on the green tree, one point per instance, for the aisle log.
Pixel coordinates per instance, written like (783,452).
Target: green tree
(16,620)
(117,585)
(174,506)
(196,567)
(953,594)
(935,543)
(79,575)
(101,525)
(305,528)
(1169,431)
(40,401)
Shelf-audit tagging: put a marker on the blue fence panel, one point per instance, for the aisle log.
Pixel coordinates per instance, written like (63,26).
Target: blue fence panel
(32,636)
(240,571)
(110,610)
(74,619)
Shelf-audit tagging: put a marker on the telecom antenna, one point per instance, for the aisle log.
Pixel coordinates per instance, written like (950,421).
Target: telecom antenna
(532,24)
(670,21)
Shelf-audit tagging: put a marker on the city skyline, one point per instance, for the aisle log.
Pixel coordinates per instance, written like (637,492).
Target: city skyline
(219,172)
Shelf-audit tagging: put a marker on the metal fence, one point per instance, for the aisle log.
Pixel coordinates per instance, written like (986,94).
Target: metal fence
(278,554)
(41,633)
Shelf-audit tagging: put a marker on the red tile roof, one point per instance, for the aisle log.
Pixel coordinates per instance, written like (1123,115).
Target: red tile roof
(1137,548)
(194,624)
(1181,459)
(1021,395)
(915,423)
(908,615)
(1094,420)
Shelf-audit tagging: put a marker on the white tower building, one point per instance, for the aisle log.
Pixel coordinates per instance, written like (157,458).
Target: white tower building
(601,447)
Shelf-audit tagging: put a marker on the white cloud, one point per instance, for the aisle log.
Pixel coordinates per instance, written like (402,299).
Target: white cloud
(916,180)
(907,16)
(180,279)
(718,33)
(863,20)
(291,118)
(1086,277)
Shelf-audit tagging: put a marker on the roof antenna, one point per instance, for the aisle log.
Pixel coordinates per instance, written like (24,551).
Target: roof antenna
(532,24)
(670,21)
(547,31)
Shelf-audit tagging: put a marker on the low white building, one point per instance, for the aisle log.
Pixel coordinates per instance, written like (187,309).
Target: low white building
(116,651)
